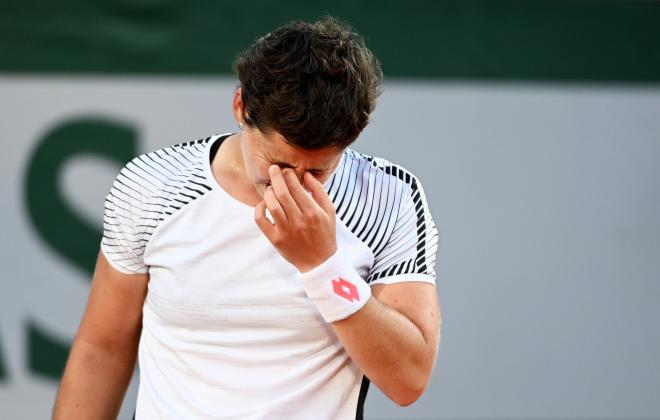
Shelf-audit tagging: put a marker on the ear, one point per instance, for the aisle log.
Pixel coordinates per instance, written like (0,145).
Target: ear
(237,106)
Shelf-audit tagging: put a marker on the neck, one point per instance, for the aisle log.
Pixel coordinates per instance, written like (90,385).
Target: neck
(228,169)
(229,157)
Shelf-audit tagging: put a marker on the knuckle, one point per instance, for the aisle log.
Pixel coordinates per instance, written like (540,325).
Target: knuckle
(315,217)
(299,226)
(280,195)
(268,193)
(259,218)
(277,240)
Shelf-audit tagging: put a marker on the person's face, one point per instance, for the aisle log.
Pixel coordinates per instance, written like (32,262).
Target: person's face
(261,150)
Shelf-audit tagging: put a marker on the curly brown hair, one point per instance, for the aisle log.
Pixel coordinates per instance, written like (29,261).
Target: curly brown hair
(314,83)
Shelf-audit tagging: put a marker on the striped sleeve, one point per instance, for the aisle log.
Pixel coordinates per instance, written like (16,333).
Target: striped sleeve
(124,223)
(410,252)
(149,189)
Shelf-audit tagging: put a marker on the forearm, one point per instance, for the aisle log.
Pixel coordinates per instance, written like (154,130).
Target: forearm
(94,382)
(390,349)
(390,331)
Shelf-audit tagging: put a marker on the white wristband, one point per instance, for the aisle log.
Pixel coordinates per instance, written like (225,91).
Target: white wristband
(336,288)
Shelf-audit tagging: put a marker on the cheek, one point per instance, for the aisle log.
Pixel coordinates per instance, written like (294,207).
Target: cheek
(257,169)
(261,169)
(323,178)
(260,172)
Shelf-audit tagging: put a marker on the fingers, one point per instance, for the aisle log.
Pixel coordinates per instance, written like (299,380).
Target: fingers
(302,198)
(262,221)
(319,194)
(274,206)
(281,191)
(292,197)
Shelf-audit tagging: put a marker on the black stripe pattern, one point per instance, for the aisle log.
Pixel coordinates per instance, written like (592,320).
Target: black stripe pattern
(385,207)
(148,190)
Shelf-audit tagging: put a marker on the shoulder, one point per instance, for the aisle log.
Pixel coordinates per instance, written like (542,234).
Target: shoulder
(359,171)
(147,191)
(383,205)
(168,168)
(398,173)
(372,195)
(159,166)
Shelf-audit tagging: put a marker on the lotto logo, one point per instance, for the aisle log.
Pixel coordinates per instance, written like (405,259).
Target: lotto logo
(345,289)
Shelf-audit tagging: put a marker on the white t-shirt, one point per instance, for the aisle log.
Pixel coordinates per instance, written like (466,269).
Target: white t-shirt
(228,331)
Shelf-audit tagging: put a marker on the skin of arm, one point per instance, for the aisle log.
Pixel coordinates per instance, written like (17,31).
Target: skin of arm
(104,351)
(394,338)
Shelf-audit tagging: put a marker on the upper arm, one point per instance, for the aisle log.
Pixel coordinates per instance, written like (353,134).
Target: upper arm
(403,276)
(113,316)
(418,301)
(103,354)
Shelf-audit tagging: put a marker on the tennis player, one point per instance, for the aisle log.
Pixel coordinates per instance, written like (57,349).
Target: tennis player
(269,273)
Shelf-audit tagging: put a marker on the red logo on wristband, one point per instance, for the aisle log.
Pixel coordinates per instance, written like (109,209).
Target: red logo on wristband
(345,289)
